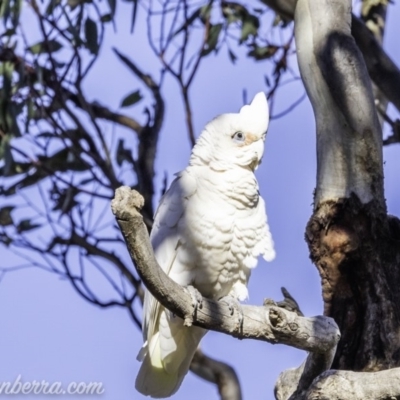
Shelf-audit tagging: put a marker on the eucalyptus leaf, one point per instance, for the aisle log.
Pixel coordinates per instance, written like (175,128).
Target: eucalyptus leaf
(212,39)
(250,27)
(91,35)
(5,215)
(263,52)
(50,46)
(26,225)
(106,17)
(131,99)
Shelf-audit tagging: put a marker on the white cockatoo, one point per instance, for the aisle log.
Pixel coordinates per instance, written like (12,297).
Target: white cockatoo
(208,232)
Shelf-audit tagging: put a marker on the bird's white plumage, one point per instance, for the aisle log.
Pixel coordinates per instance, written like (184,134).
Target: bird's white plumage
(209,230)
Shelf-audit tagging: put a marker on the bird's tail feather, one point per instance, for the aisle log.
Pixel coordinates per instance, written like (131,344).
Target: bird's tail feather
(170,352)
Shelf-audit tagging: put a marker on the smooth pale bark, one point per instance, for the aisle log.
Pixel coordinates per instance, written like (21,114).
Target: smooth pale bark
(349,138)
(382,70)
(339,385)
(294,383)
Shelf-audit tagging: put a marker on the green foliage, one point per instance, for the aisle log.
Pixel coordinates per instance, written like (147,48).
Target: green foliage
(106,17)
(235,12)
(212,39)
(131,99)
(5,215)
(10,11)
(9,108)
(49,46)
(26,225)
(91,36)
(262,52)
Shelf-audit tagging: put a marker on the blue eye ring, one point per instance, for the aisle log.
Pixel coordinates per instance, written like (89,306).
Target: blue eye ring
(238,136)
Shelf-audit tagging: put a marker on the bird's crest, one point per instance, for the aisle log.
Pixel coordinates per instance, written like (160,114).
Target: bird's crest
(256,115)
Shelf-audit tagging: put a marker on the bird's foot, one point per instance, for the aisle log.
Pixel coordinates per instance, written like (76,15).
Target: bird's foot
(197,303)
(289,303)
(234,305)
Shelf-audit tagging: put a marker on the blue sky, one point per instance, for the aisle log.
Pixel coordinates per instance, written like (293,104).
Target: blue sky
(48,332)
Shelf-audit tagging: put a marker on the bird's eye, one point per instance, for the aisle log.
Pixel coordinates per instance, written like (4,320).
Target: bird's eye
(238,136)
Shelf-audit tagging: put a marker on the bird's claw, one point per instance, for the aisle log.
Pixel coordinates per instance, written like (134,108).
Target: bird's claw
(289,303)
(234,305)
(197,303)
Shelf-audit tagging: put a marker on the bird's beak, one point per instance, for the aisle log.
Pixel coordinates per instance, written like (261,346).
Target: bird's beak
(254,164)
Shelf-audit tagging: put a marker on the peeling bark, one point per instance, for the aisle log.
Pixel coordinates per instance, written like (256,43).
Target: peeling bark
(354,248)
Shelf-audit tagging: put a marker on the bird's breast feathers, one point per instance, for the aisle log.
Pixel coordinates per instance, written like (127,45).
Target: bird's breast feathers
(222,230)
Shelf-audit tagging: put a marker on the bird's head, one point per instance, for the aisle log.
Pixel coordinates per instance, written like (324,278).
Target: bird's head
(234,139)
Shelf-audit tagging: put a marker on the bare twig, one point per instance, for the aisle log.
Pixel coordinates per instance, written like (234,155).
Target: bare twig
(100,111)
(148,140)
(219,373)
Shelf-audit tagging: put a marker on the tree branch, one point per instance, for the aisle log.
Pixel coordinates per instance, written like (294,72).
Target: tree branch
(148,139)
(99,111)
(219,373)
(337,385)
(382,70)
(373,15)
(293,383)
(349,137)
(76,240)
(318,335)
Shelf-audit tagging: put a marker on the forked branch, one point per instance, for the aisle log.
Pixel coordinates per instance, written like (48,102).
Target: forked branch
(381,68)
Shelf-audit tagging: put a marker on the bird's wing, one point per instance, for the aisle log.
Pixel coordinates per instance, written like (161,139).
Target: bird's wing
(165,239)
(266,242)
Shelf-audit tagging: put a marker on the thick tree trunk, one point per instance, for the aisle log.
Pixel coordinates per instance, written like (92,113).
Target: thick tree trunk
(355,248)
(352,241)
